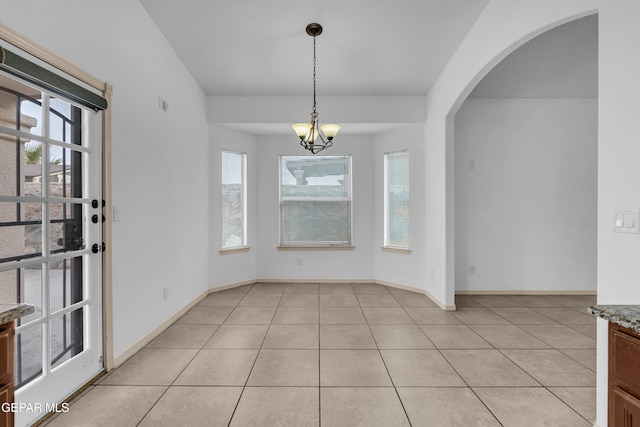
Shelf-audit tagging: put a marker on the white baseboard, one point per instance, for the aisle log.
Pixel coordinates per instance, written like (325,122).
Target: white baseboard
(157,331)
(315,281)
(512,292)
(378,282)
(231,286)
(160,329)
(418,291)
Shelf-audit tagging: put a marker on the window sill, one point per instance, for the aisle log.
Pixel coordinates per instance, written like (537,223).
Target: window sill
(392,249)
(237,250)
(316,247)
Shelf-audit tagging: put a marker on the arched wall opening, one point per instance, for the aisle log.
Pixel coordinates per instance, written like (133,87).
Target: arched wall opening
(501,29)
(525,160)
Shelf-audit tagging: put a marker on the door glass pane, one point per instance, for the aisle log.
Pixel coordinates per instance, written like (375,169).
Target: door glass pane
(28,355)
(65,172)
(66,336)
(66,227)
(30,112)
(64,121)
(9,172)
(30,292)
(20,167)
(14,242)
(23,285)
(65,283)
(31,172)
(20,230)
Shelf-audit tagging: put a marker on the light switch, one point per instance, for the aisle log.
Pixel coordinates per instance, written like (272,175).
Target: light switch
(619,220)
(626,221)
(629,220)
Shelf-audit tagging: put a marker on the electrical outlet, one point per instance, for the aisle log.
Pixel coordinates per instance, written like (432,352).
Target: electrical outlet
(298,262)
(472,269)
(166,293)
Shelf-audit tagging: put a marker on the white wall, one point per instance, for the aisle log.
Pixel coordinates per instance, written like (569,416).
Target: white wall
(401,268)
(232,268)
(360,117)
(526,213)
(316,264)
(618,171)
(160,160)
(345,110)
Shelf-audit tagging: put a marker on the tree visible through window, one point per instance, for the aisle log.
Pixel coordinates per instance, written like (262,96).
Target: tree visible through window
(396,198)
(315,200)
(233,200)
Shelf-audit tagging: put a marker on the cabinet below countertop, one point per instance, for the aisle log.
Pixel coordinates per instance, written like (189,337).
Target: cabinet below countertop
(8,315)
(7,338)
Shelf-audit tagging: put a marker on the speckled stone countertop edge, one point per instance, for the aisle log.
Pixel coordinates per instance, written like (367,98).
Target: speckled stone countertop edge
(627,316)
(9,312)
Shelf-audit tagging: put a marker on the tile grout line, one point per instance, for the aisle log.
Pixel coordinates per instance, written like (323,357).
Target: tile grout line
(570,407)
(467,386)
(319,366)
(501,349)
(551,348)
(406,414)
(256,359)
(185,367)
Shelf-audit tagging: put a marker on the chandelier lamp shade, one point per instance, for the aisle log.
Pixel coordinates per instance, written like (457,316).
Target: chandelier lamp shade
(313,136)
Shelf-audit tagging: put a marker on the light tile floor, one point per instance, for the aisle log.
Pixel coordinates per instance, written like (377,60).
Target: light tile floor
(356,355)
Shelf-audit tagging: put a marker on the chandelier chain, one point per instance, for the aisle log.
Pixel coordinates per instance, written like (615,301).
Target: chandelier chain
(314,74)
(314,137)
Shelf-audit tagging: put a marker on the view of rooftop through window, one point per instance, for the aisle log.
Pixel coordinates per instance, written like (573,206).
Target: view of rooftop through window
(315,200)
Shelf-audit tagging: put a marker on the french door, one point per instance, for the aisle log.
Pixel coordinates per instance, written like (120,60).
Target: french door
(50,240)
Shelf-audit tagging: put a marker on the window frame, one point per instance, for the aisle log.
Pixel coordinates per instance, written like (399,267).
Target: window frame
(386,216)
(283,245)
(243,177)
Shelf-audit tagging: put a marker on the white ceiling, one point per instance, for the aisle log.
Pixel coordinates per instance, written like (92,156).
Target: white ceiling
(368,47)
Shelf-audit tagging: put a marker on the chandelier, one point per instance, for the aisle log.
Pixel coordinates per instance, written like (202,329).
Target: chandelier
(310,137)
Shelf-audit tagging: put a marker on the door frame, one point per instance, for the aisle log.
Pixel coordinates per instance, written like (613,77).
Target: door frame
(106,90)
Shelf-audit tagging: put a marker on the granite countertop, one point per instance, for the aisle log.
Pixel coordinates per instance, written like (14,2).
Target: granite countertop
(627,316)
(9,312)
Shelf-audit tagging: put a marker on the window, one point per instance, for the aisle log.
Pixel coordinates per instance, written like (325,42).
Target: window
(234,206)
(315,200)
(396,199)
